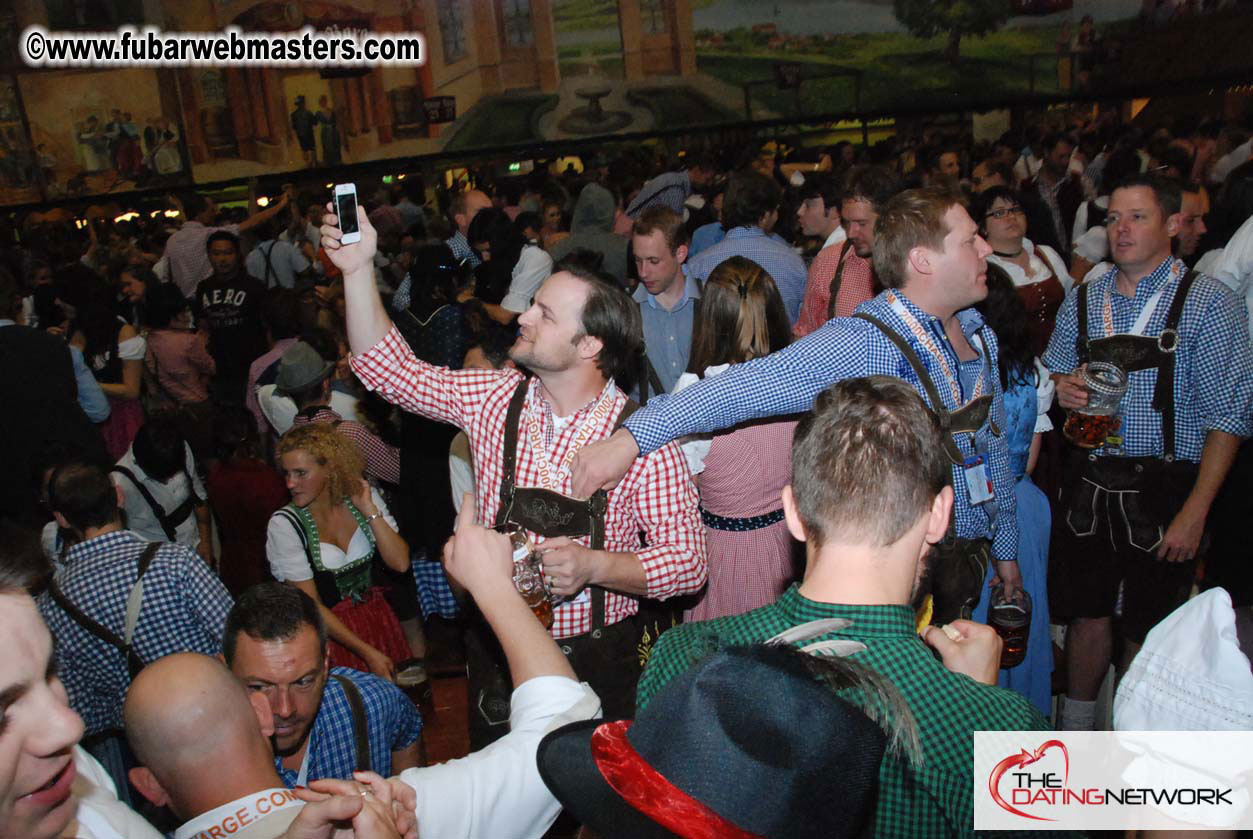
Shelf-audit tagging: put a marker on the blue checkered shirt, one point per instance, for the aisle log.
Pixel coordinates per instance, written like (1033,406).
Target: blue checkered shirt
(782,263)
(392,721)
(788,381)
(669,189)
(1213,365)
(184,610)
(461,251)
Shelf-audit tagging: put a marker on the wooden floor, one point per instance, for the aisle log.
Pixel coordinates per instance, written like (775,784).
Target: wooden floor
(445,724)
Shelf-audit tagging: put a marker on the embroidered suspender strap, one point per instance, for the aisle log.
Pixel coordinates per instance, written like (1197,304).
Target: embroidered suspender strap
(1168,343)
(933,395)
(507,479)
(134,601)
(1082,349)
(838,279)
(360,725)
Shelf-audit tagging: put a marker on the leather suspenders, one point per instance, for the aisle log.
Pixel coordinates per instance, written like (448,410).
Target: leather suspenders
(134,602)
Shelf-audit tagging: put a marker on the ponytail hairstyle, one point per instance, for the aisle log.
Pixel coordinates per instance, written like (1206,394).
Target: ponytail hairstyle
(741,316)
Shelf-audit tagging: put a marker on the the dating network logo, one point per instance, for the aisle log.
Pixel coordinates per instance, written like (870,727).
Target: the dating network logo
(1028,787)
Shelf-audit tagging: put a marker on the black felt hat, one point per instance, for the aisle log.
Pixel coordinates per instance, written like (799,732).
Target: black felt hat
(745,744)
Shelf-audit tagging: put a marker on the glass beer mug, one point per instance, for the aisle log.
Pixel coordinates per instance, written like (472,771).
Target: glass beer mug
(1088,427)
(528,574)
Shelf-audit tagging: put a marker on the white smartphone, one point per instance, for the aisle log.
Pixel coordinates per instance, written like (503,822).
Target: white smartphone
(346,209)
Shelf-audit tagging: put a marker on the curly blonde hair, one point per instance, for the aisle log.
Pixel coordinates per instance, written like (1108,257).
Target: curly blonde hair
(332,450)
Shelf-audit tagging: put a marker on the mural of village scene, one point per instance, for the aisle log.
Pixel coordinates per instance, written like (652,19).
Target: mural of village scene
(502,73)
(98,132)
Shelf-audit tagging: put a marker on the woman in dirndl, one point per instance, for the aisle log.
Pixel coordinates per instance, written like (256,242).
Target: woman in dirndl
(326,541)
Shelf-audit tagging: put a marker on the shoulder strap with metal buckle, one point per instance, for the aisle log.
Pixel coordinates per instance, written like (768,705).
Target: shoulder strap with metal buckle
(360,724)
(1168,343)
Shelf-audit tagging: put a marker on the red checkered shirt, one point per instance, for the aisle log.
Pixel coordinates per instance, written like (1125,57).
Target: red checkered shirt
(656,497)
(856,287)
(381,460)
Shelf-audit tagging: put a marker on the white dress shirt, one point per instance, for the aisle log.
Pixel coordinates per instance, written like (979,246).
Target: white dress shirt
(497,791)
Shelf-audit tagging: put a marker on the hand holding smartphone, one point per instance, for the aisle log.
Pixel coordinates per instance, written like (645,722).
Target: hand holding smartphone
(346,210)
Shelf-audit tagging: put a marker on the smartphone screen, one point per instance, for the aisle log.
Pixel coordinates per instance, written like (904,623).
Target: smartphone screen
(346,209)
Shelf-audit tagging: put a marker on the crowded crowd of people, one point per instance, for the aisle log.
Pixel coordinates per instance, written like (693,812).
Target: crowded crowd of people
(855,449)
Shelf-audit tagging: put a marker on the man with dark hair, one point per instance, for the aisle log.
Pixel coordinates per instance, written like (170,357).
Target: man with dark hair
(199,738)
(1179,340)
(465,205)
(600,554)
(672,189)
(870,495)
(107,626)
(750,210)
(45,406)
(162,494)
(228,304)
(1194,207)
(840,280)
(668,298)
(1060,189)
(327,721)
(989,173)
(186,259)
(924,330)
(276,263)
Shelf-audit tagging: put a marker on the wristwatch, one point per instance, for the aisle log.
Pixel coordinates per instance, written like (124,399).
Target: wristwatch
(369,519)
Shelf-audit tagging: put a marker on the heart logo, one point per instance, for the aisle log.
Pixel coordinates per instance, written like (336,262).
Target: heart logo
(1024,758)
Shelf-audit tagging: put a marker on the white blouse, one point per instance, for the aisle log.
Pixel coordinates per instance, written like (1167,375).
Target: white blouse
(286,553)
(1039,270)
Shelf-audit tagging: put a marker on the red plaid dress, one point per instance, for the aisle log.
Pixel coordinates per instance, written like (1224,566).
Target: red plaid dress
(656,497)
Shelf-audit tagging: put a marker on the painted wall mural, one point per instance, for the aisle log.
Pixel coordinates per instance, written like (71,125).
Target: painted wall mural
(503,72)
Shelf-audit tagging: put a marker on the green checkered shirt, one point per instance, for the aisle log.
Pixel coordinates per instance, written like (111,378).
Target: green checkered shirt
(931,800)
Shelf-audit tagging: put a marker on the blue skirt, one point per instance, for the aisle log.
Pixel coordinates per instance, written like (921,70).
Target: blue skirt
(1031,678)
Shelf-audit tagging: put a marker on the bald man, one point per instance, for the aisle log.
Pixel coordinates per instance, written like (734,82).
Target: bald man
(202,743)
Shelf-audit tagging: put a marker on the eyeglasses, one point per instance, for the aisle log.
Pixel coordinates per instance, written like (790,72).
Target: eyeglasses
(1005,211)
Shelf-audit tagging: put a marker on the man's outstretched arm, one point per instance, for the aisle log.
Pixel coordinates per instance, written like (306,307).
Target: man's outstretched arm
(497,791)
(784,382)
(367,320)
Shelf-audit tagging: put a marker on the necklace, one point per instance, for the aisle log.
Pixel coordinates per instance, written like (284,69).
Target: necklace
(1008,255)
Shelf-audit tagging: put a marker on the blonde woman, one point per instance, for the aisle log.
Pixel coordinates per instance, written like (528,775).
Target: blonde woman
(742,474)
(326,540)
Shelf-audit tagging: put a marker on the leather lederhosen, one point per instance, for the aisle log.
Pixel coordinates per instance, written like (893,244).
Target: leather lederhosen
(1151,489)
(551,514)
(958,565)
(1042,301)
(606,657)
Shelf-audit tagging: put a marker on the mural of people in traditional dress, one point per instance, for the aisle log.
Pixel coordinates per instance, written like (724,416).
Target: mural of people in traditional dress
(102,131)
